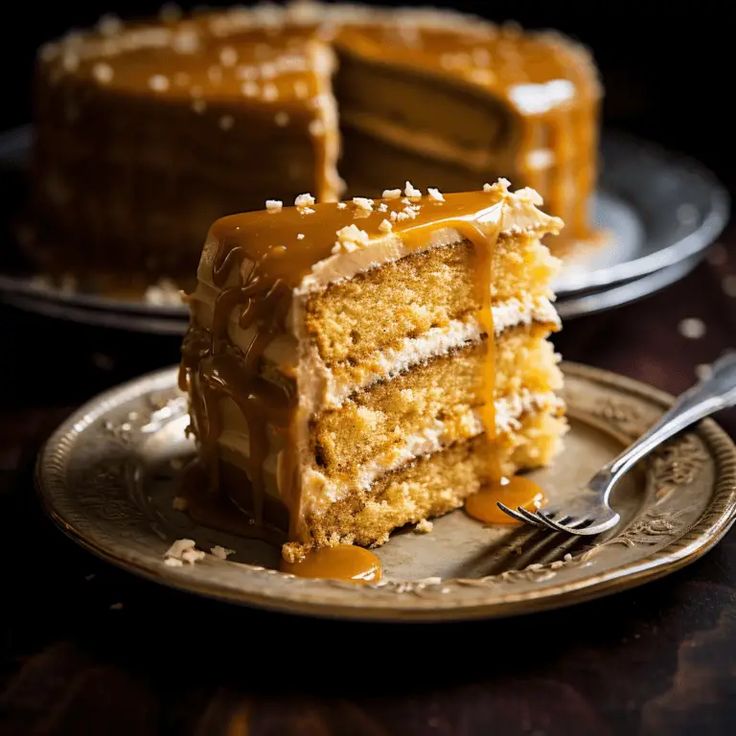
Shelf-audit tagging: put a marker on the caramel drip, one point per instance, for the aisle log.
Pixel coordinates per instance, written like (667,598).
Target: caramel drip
(343,562)
(217,369)
(512,492)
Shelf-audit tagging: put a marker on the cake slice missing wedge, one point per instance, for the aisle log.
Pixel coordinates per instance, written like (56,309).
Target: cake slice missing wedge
(355,367)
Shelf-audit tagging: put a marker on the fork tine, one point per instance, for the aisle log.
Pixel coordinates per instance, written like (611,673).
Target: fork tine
(532,518)
(556,525)
(516,515)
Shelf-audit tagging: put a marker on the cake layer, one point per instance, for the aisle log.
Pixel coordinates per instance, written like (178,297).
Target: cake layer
(435,403)
(421,291)
(466,125)
(428,486)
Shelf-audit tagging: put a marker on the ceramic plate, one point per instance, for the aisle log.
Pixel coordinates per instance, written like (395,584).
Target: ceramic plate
(658,209)
(108,475)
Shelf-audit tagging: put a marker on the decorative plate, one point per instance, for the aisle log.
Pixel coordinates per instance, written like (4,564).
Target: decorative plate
(661,211)
(107,477)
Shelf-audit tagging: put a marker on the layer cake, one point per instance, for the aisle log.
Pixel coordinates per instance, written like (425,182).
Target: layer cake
(354,367)
(147,132)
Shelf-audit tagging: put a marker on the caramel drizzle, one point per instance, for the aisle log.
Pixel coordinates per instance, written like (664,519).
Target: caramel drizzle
(214,368)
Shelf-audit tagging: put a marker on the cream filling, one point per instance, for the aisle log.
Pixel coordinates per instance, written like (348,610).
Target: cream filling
(319,490)
(330,391)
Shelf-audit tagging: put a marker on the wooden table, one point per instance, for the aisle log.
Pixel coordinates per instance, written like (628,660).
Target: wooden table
(88,649)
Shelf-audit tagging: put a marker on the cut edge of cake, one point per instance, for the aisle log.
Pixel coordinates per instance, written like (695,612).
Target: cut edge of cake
(361,436)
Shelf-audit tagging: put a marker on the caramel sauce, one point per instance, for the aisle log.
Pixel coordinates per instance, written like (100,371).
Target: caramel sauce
(343,562)
(512,492)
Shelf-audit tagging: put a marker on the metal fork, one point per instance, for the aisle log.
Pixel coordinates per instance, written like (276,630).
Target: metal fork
(589,511)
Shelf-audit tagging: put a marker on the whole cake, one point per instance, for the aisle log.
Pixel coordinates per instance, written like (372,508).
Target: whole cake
(146,133)
(354,367)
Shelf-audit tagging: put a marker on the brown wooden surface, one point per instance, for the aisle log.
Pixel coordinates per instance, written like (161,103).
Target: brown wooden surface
(90,650)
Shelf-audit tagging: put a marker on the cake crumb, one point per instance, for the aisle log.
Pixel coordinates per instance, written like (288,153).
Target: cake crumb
(192,555)
(385,226)
(692,328)
(391,193)
(300,236)
(304,200)
(424,527)
(435,194)
(487,188)
(182,550)
(363,203)
(341,205)
(411,191)
(249,89)
(307,210)
(222,553)
(179,503)
(274,205)
(158,83)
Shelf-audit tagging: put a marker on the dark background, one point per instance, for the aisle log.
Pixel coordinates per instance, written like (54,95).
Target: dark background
(87,649)
(668,67)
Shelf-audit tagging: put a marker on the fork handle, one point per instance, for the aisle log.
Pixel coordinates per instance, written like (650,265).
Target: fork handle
(716,392)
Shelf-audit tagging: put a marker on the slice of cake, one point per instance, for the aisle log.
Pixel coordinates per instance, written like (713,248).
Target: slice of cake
(354,367)
(147,132)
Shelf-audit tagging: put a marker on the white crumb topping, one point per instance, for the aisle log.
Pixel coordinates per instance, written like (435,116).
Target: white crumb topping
(411,191)
(182,550)
(350,238)
(226,122)
(179,503)
(487,188)
(383,207)
(306,210)
(274,205)
(424,527)
(391,193)
(317,128)
(385,226)
(159,83)
(363,203)
(341,205)
(185,42)
(300,236)
(102,72)
(304,200)
(228,56)
(222,552)
(281,119)
(270,92)
(435,194)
